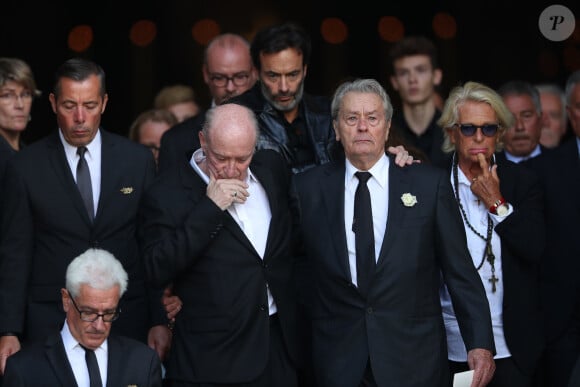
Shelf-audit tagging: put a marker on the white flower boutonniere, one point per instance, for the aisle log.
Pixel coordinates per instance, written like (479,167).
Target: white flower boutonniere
(409,200)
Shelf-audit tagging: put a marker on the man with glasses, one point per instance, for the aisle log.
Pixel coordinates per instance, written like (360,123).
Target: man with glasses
(227,71)
(95,282)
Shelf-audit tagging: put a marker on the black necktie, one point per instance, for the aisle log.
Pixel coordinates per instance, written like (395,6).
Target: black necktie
(84,181)
(93,366)
(364,236)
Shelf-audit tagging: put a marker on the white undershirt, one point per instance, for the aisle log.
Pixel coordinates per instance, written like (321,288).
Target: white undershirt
(477,215)
(378,188)
(76,358)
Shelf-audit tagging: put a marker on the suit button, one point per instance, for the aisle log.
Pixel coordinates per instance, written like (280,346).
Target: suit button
(370,310)
(262,307)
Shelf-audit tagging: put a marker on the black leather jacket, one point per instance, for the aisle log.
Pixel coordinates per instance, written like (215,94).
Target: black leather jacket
(316,113)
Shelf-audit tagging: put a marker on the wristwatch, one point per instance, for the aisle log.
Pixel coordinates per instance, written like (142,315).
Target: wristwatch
(499,208)
(502,210)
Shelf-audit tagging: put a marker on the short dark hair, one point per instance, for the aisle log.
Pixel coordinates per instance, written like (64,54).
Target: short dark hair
(79,69)
(280,37)
(413,45)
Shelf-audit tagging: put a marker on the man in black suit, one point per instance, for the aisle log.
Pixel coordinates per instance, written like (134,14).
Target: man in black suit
(559,172)
(384,326)
(227,71)
(45,222)
(95,282)
(219,229)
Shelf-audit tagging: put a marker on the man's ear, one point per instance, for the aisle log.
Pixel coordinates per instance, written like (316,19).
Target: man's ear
(437,77)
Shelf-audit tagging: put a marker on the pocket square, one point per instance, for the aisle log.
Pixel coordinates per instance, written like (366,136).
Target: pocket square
(127,190)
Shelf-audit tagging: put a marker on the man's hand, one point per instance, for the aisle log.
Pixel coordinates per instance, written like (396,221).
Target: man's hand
(159,338)
(402,156)
(224,192)
(171,303)
(486,185)
(9,345)
(481,362)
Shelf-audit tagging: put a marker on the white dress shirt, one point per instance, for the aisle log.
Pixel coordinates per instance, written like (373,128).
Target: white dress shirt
(76,358)
(379,190)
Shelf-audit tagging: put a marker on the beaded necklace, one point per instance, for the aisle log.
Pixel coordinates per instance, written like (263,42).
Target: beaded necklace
(487,252)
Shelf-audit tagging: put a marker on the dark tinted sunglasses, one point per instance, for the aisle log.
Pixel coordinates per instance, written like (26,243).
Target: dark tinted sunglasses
(488,130)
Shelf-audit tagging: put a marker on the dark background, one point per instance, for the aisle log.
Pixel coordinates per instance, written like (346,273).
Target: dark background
(496,41)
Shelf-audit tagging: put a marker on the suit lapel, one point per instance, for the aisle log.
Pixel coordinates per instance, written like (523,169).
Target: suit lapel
(63,173)
(110,171)
(56,355)
(116,362)
(332,186)
(264,176)
(398,184)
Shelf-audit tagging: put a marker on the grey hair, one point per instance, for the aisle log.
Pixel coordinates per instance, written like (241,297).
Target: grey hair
(554,89)
(371,86)
(98,269)
(473,92)
(522,88)
(571,82)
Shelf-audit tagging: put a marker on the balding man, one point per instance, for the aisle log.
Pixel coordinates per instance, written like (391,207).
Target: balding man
(218,228)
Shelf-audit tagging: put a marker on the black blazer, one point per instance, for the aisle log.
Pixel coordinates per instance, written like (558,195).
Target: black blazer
(46,364)
(180,141)
(523,236)
(559,172)
(400,326)
(44,226)
(222,333)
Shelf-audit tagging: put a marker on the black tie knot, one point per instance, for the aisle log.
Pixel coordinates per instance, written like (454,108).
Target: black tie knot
(363,177)
(81,151)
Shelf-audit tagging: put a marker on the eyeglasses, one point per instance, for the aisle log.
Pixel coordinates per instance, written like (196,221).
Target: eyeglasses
(7,98)
(89,316)
(240,79)
(488,130)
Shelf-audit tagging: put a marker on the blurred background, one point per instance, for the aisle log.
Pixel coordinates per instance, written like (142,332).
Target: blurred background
(146,45)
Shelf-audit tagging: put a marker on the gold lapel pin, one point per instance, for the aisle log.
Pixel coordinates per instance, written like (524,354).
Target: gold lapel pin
(127,190)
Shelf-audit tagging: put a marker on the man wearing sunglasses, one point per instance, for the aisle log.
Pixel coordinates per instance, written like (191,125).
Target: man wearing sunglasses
(95,281)
(502,210)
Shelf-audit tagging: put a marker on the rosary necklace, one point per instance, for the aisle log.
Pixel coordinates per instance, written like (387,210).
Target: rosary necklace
(487,252)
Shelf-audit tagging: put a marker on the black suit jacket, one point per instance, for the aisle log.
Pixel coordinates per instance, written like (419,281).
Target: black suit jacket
(400,325)
(559,172)
(523,236)
(222,333)
(44,226)
(46,364)
(180,141)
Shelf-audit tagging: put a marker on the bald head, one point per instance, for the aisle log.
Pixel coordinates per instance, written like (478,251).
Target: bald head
(228,140)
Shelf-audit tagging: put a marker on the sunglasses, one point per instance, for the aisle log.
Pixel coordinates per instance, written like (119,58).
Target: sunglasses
(488,130)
